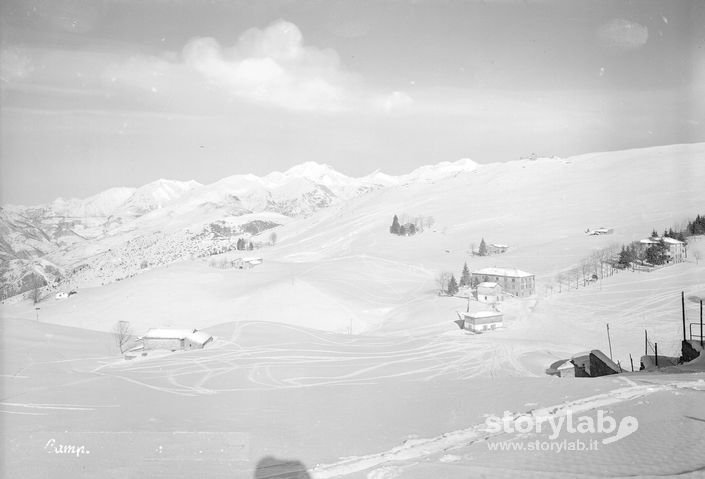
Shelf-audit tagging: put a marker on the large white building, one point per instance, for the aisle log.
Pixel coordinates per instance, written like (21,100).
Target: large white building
(676,248)
(513,281)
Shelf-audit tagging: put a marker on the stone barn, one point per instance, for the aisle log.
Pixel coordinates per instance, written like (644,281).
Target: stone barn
(175,339)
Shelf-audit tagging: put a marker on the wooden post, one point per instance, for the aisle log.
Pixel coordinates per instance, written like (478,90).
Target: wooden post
(646,343)
(656,353)
(609,340)
(631,361)
(702,340)
(683,309)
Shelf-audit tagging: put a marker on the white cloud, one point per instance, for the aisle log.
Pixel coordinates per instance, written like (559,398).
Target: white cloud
(273,66)
(14,65)
(623,35)
(395,102)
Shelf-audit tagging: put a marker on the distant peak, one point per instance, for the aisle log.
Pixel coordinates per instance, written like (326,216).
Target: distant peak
(310,168)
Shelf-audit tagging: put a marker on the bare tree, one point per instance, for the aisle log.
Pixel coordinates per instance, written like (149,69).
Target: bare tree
(560,278)
(123,333)
(697,255)
(273,238)
(442,280)
(36,289)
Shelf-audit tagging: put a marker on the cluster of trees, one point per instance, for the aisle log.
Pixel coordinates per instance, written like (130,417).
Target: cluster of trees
(245,245)
(408,226)
(448,285)
(696,227)
(657,253)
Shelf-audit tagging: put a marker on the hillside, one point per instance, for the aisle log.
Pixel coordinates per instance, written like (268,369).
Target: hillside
(337,356)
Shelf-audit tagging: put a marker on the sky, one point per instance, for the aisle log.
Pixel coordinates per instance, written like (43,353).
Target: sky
(103,93)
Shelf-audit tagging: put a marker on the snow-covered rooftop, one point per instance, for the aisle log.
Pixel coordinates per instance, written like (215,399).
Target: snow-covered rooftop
(511,272)
(665,239)
(482,314)
(199,337)
(168,333)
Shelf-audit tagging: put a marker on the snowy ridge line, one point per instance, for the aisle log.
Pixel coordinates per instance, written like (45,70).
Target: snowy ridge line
(418,448)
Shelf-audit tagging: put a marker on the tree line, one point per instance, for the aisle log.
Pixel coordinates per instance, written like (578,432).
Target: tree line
(607,261)
(409,226)
(449,286)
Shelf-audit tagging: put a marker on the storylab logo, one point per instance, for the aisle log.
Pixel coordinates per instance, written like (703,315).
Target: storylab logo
(560,425)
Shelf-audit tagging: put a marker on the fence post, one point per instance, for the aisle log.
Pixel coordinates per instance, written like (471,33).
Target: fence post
(631,361)
(683,309)
(656,353)
(702,340)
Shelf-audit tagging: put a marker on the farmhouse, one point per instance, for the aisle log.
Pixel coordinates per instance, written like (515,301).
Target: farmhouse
(482,321)
(497,248)
(513,281)
(246,263)
(175,339)
(489,292)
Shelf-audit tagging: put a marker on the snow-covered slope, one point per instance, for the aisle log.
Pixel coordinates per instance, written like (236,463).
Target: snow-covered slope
(340,308)
(65,233)
(539,207)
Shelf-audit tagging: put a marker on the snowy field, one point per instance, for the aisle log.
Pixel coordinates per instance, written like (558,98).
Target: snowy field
(337,353)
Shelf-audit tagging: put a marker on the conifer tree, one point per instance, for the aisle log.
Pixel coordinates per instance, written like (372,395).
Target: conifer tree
(465,276)
(452,286)
(483,248)
(395,228)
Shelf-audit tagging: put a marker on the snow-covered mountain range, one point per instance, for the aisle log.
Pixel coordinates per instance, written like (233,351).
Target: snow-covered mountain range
(118,232)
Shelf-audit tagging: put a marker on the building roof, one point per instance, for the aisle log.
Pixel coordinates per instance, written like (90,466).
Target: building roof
(510,272)
(199,337)
(665,239)
(499,245)
(168,333)
(482,314)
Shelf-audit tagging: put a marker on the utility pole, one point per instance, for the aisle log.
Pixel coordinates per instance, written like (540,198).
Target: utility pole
(702,340)
(609,340)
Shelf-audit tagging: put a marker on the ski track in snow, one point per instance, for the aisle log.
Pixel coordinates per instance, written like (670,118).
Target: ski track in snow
(415,449)
(328,361)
